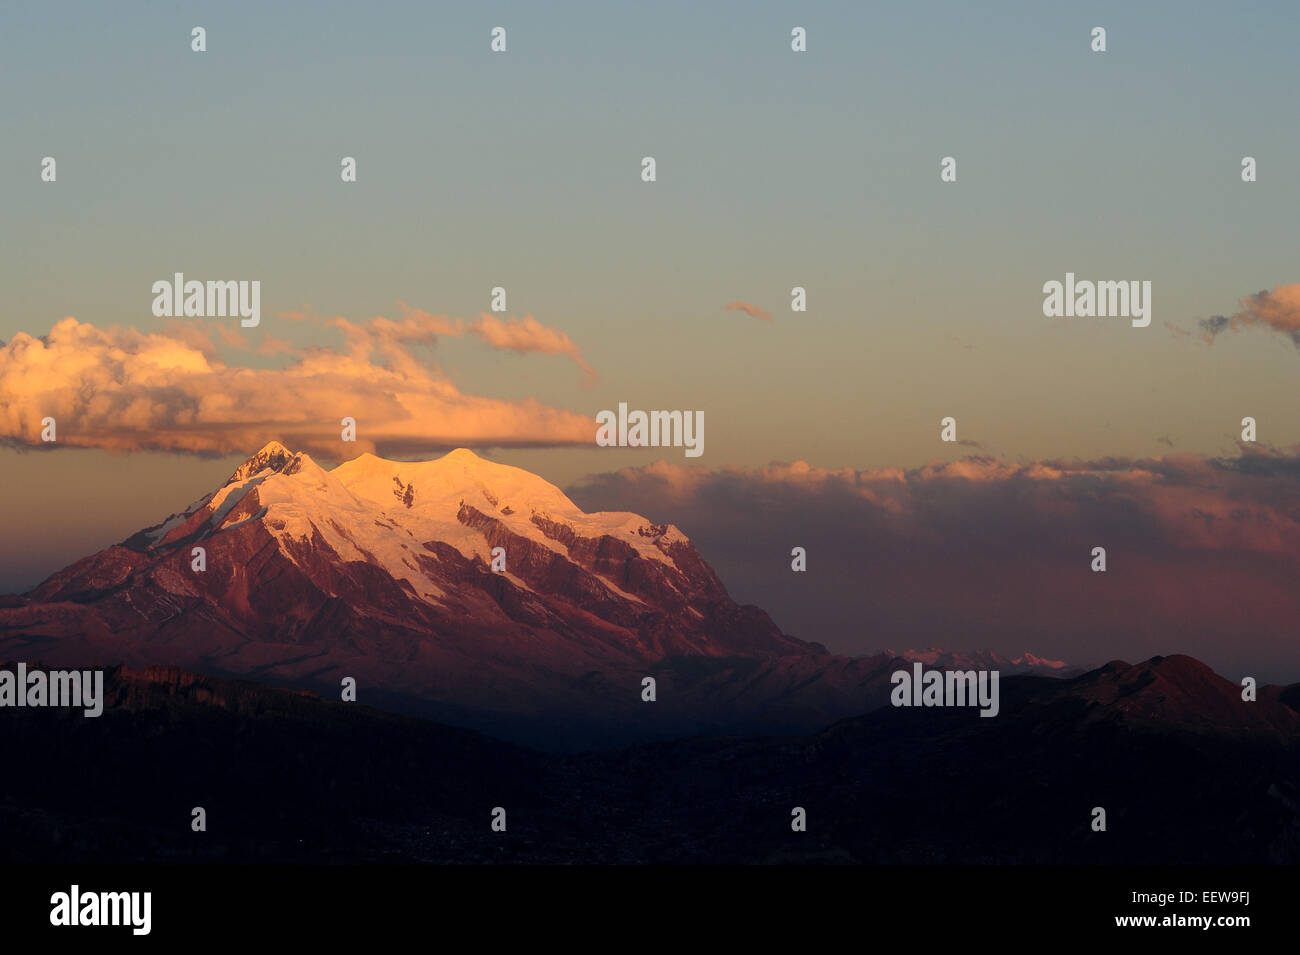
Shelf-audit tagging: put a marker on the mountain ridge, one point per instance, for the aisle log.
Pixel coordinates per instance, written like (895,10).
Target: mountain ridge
(388,572)
(294,777)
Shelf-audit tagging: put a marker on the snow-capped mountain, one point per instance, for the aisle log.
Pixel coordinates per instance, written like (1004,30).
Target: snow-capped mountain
(383,571)
(986,660)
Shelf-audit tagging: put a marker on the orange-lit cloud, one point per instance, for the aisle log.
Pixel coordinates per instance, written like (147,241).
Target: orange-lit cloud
(521,336)
(1278,309)
(529,335)
(751,310)
(122,389)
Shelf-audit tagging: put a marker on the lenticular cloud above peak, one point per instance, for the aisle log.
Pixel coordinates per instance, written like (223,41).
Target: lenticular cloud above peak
(122,389)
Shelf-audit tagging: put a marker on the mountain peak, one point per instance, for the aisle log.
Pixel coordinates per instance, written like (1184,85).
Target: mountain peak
(271,448)
(462,454)
(273,455)
(458,477)
(368,461)
(1178,692)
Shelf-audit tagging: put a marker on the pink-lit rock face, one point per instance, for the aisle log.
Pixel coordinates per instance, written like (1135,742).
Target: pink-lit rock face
(312,576)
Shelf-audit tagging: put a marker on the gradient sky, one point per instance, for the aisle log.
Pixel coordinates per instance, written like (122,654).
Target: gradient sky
(774,169)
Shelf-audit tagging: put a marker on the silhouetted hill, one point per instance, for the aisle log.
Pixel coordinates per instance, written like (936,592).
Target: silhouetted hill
(1186,771)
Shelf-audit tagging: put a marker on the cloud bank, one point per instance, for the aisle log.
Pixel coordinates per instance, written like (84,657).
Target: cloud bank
(122,389)
(1203,554)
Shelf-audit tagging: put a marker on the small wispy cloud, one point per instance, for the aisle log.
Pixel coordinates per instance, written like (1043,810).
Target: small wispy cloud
(751,310)
(1212,326)
(1277,309)
(529,335)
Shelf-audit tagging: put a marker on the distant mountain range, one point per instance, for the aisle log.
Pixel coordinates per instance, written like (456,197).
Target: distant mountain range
(986,660)
(383,571)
